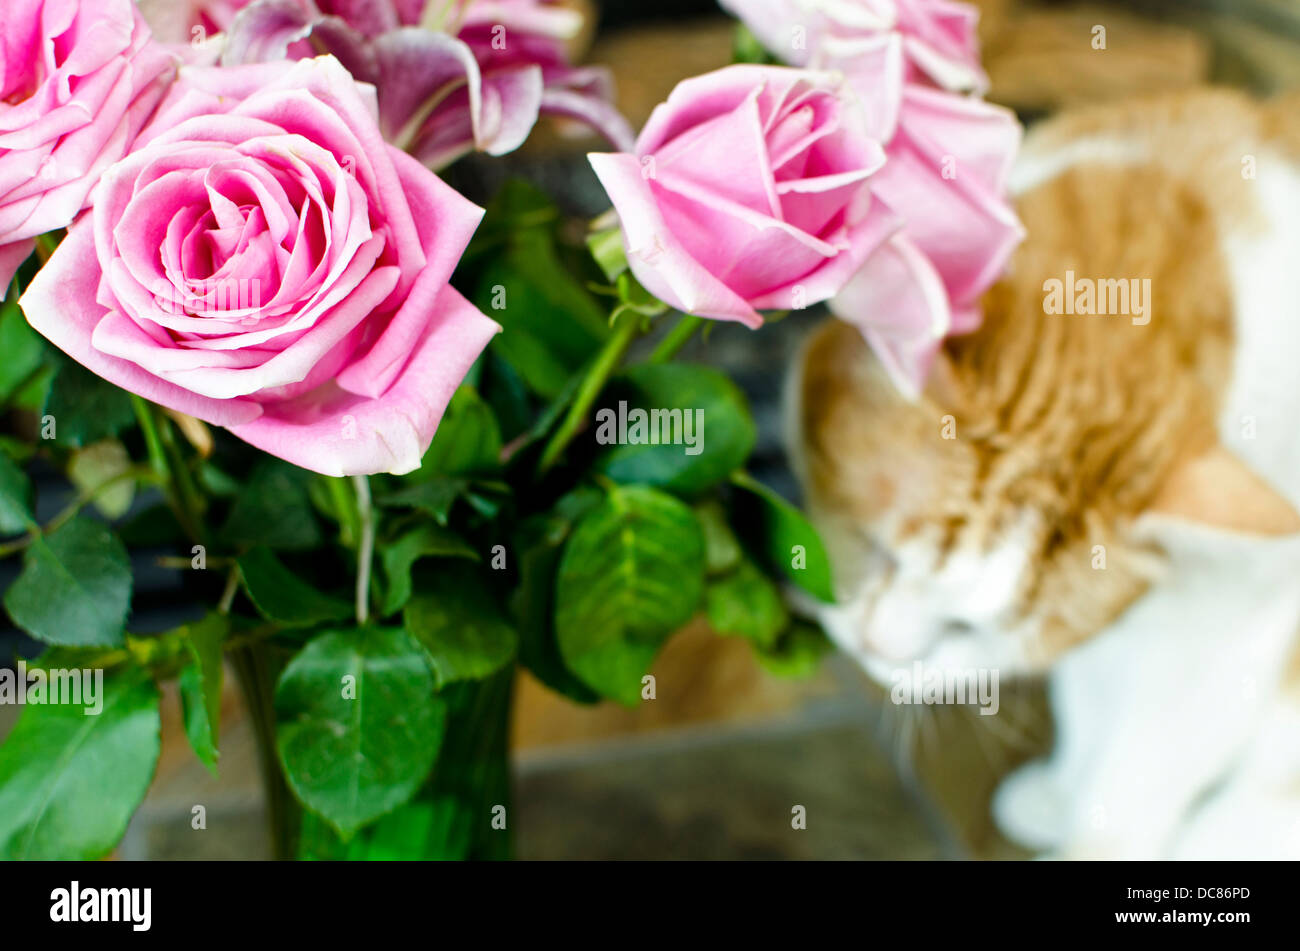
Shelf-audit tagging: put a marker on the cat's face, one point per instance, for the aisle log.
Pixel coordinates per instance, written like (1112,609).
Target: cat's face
(1014,510)
(952,603)
(934,560)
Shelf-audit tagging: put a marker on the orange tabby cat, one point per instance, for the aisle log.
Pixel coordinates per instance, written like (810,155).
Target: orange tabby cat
(1102,482)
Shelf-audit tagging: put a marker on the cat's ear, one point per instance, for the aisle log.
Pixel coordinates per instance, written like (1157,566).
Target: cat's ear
(1218,490)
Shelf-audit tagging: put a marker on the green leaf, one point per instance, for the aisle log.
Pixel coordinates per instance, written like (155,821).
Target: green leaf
(69,782)
(673,401)
(336,499)
(154,527)
(746,604)
(434,497)
(722,550)
(486,497)
(552,325)
(468,440)
(519,205)
(85,408)
(281,596)
(781,536)
(424,541)
(16,449)
(539,542)
(455,617)
(448,818)
(23,348)
(546,420)
(318,842)
(33,395)
(198,724)
(401,835)
(359,725)
(200,686)
(94,466)
(215,481)
(75,587)
(15,498)
(631,574)
(797,653)
(274,509)
(507,394)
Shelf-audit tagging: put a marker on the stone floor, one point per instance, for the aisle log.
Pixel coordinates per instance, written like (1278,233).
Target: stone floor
(713,770)
(725,794)
(708,790)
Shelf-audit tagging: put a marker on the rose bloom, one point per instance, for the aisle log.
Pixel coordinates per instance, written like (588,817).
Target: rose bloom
(938,36)
(265,262)
(948,158)
(749,190)
(78,78)
(453,77)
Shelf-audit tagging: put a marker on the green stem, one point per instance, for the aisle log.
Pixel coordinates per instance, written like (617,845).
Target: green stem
(229,592)
(76,505)
(165,457)
(187,494)
(626,329)
(152,441)
(676,338)
(366,548)
(166,654)
(345,507)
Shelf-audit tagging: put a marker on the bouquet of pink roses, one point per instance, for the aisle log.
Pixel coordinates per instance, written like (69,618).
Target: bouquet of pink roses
(394,444)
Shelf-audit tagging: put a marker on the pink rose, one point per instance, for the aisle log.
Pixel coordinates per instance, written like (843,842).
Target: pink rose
(78,78)
(946,172)
(265,262)
(749,189)
(948,159)
(937,36)
(452,77)
(945,177)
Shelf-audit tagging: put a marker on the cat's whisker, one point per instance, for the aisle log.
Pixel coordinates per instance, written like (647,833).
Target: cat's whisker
(1006,729)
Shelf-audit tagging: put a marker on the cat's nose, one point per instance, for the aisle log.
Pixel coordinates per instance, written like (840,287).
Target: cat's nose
(899,629)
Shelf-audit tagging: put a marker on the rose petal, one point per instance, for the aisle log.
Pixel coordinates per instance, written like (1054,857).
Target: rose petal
(60,305)
(862,240)
(968,231)
(898,301)
(12,256)
(656,257)
(726,155)
(447,221)
(338,433)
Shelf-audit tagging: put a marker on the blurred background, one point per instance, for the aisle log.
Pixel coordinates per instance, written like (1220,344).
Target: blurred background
(714,766)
